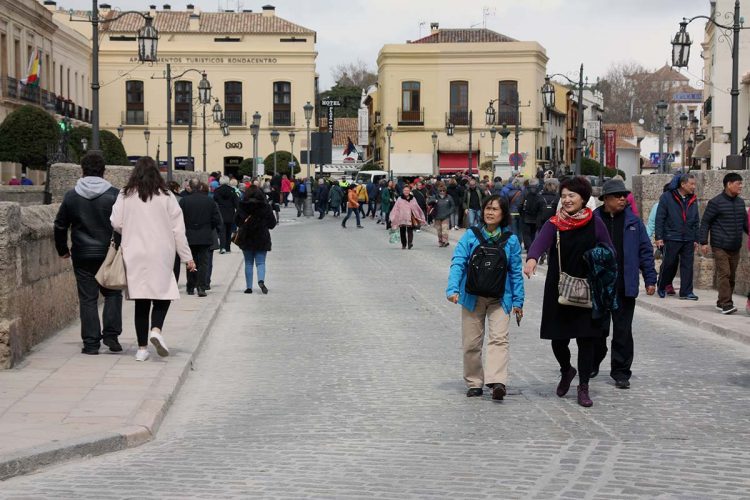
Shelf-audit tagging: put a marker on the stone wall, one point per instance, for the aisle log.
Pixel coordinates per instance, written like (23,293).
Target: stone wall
(648,188)
(63,176)
(23,195)
(37,288)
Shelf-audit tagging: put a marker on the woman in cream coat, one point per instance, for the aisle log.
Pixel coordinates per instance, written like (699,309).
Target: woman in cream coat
(147,215)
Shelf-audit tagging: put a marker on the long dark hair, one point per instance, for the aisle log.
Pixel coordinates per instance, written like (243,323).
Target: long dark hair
(146,180)
(506,219)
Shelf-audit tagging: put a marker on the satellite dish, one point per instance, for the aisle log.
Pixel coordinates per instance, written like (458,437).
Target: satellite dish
(641,121)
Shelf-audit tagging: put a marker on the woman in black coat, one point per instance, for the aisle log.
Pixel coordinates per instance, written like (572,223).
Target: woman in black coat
(227,200)
(578,232)
(254,220)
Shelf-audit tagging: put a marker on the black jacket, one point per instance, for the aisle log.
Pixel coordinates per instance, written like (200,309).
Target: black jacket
(726,219)
(677,220)
(254,234)
(227,199)
(88,219)
(202,217)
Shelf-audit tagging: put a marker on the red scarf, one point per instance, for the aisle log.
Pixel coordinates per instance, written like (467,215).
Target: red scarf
(565,222)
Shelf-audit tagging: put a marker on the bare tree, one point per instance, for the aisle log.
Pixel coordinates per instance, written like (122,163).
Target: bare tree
(631,93)
(354,74)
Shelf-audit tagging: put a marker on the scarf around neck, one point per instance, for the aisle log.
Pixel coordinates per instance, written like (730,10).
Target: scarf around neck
(565,222)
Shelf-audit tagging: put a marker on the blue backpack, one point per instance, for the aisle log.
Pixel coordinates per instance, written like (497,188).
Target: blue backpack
(302,187)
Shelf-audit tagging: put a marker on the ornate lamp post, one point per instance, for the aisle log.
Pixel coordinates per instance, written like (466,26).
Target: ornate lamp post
(120,131)
(204,96)
(84,143)
(667,136)
(254,131)
(681,55)
(308,211)
(224,128)
(493,133)
(292,135)
(389,133)
(217,111)
(275,141)
(147,136)
(683,127)
(661,113)
(548,94)
(434,153)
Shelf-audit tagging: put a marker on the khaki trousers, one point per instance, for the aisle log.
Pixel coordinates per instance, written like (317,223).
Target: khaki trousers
(726,270)
(472,329)
(442,227)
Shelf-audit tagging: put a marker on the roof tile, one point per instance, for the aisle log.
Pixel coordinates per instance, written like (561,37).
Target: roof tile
(472,35)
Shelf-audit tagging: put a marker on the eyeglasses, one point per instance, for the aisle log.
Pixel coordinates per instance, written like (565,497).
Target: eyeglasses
(619,195)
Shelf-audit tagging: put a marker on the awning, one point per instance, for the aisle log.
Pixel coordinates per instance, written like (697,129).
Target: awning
(702,149)
(453,162)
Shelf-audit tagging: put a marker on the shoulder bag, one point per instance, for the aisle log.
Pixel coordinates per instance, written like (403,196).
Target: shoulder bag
(236,236)
(573,291)
(111,273)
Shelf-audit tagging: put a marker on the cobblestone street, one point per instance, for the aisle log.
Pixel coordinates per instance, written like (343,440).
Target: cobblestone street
(346,381)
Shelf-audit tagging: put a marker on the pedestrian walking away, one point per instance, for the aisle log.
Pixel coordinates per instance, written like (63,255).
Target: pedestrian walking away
(254,221)
(406,214)
(387,200)
(85,211)
(486,280)
(335,196)
(286,188)
(635,256)
(352,206)
(676,234)
(531,205)
(321,198)
(568,235)
(472,203)
(724,221)
(151,223)
(202,219)
(443,208)
(226,198)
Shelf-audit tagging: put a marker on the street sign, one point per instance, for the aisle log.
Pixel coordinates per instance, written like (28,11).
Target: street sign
(654,157)
(330,103)
(515,159)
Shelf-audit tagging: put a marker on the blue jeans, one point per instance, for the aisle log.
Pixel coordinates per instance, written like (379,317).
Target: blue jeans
(473,218)
(349,213)
(260,262)
(515,225)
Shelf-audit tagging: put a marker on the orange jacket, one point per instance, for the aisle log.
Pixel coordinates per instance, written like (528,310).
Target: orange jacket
(352,201)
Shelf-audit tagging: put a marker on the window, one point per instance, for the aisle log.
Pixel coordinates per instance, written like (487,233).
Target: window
(233,103)
(410,105)
(282,103)
(134,102)
(508,102)
(459,105)
(183,102)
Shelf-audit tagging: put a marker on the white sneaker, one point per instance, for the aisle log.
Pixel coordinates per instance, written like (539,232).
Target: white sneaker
(158,341)
(141,355)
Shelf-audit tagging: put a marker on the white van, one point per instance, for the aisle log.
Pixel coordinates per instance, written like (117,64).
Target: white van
(374,176)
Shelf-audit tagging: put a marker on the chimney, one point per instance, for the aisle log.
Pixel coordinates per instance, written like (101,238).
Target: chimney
(247,10)
(166,6)
(105,7)
(50,5)
(269,11)
(190,7)
(434,28)
(194,22)
(152,10)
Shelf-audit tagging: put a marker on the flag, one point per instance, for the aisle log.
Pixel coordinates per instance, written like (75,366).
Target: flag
(34,69)
(349,147)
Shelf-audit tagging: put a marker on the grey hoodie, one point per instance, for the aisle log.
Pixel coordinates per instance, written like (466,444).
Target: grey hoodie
(91,187)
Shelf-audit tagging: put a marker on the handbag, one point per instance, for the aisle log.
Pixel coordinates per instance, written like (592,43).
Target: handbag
(111,273)
(393,236)
(573,291)
(236,235)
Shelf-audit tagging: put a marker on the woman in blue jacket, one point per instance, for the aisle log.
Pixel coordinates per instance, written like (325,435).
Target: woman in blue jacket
(476,310)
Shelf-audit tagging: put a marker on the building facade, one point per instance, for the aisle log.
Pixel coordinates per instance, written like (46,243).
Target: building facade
(28,27)
(451,76)
(254,61)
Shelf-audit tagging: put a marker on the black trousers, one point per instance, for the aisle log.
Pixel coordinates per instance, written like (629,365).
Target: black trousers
(407,235)
(585,356)
(199,279)
(622,340)
(677,253)
(227,236)
(88,296)
(529,233)
(158,313)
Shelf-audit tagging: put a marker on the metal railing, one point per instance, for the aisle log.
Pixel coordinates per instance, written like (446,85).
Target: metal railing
(235,117)
(14,89)
(134,117)
(281,118)
(410,116)
(459,117)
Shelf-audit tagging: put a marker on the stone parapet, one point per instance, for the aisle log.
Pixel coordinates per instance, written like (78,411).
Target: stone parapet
(37,288)
(648,188)
(23,195)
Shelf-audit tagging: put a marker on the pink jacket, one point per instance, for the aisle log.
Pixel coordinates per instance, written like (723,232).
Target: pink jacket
(633,207)
(286,186)
(403,211)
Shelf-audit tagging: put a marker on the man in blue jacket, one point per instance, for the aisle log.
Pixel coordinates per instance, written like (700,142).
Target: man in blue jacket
(635,256)
(676,233)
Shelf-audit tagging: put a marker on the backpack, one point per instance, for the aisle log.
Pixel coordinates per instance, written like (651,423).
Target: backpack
(302,188)
(488,267)
(530,204)
(550,207)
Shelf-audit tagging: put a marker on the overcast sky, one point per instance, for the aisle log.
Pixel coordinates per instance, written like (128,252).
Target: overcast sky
(595,32)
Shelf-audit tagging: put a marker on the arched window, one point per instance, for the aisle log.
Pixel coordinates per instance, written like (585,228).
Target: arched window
(282,103)
(459,103)
(134,102)
(233,103)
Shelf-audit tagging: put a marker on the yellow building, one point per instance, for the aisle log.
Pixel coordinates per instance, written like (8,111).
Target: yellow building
(448,76)
(255,61)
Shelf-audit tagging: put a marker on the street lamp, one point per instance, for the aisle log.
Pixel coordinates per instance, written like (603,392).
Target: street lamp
(493,133)
(292,135)
(661,113)
(308,211)
(147,136)
(274,141)
(120,131)
(450,128)
(681,56)
(667,136)
(548,93)
(148,38)
(84,143)
(683,126)
(254,129)
(489,113)
(389,133)
(217,111)
(551,100)
(224,128)
(434,153)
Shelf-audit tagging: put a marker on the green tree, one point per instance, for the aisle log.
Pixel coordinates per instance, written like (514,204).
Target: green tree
(591,167)
(110,144)
(27,136)
(246,167)
(349,95)
(282,163)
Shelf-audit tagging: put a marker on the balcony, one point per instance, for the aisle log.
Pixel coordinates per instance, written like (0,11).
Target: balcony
(413,117)
(281,118)
(15,90)
(235,117)
(459,117)
(134,117)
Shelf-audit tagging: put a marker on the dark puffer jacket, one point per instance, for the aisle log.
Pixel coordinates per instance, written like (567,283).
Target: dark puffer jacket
(725,218)
(227,199)
(677,220)
(255,234)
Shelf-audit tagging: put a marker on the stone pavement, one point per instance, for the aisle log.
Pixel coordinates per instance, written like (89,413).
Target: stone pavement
(702,313)
(345,382)
(59,404)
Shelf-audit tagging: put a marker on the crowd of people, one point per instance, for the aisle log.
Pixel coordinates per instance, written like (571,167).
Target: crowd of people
(597,256)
